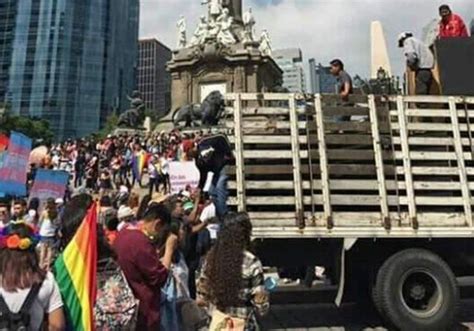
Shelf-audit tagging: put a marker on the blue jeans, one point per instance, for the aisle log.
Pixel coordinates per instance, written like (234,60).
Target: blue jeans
(219,194)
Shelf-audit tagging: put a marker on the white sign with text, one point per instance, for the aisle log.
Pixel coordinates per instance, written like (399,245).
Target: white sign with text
(183,174)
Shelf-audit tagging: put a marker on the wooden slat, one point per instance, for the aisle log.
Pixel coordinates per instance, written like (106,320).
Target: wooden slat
(323,162)
(271,154)
(430,127)
(266,111)
(257,96)
(441,171)
(426,156)
(466,193)
(407,162)
(239,153)
(422,141)
(266,124)
(432,113)
(350,185)
(297,155)
(379,163)
(271,139)
(425,99)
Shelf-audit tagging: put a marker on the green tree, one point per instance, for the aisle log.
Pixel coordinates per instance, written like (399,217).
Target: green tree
(35,128)
(109,127)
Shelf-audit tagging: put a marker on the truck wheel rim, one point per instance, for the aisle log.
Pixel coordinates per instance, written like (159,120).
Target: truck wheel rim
(421,293)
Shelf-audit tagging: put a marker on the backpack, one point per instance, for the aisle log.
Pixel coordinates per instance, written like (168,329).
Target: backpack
(18,321)
(116,307)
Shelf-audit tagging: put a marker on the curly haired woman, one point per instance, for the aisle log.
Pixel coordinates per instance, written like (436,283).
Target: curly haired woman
(232,281)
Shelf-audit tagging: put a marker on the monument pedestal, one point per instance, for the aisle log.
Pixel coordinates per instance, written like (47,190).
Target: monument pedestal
(240,68)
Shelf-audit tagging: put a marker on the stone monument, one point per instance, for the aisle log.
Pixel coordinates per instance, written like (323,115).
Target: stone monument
(222,55)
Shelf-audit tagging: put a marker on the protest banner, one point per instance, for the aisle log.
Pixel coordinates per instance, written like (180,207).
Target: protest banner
(183,174)
(15,166)
(49,184)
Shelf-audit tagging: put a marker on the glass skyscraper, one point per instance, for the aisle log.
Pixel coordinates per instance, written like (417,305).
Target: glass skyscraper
(72,61)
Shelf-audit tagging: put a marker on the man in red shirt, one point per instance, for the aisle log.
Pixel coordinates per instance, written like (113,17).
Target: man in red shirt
(451,25)
(139,260)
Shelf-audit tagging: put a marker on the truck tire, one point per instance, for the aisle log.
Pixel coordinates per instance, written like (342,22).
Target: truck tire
(416,290)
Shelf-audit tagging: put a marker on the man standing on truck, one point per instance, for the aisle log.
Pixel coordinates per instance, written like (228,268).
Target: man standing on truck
(419,59)
(344,80)
(344,85)
(451,25)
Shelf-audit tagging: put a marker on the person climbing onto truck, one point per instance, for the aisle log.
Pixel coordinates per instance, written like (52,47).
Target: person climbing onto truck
(419,59)
(451,25)
(212,154)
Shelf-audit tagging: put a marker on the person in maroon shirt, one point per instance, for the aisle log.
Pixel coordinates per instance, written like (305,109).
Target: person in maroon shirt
(139,260)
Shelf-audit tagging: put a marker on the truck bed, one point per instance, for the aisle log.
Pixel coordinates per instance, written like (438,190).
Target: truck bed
(399,166)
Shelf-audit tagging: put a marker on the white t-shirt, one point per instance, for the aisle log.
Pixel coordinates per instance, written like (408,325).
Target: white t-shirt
(47,228)
(208,213)
(47,301)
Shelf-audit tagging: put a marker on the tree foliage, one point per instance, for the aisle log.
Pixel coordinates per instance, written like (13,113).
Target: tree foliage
(110,126)
(35,128)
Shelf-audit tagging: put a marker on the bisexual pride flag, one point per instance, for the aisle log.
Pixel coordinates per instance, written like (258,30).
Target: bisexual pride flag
(49,184)
(15,166)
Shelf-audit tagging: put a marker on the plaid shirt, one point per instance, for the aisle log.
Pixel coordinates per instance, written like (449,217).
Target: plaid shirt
(253,292)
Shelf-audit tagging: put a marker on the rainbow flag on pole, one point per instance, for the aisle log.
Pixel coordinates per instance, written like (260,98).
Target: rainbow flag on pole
(76,270)
(139,163)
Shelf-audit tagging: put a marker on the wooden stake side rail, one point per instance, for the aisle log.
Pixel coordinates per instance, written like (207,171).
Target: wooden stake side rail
(316,165)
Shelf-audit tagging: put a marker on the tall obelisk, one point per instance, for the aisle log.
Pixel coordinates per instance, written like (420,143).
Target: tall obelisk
(380,57)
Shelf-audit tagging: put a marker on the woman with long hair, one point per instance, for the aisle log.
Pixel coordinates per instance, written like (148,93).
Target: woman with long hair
(48,230)
(232,280)
(21,277)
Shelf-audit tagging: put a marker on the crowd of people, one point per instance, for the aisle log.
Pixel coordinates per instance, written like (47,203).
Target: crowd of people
(171,248)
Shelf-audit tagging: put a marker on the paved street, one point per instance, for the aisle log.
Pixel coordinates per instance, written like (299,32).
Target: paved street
(321,315)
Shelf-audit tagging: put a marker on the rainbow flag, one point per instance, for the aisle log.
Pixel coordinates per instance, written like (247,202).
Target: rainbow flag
(139,163)
(76,270)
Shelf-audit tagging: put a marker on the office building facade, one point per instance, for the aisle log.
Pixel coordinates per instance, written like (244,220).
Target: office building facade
(291,62)
(154,81)
(8,10)
(72,62)
(321,79)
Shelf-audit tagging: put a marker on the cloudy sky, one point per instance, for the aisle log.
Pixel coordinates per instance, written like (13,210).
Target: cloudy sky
(323,29)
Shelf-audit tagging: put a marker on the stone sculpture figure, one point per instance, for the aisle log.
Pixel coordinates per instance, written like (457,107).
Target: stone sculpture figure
(181,32)
(201,33)
(249,23)
(134,117)
(265,44)
(215,8)
(225,35)
(208,113)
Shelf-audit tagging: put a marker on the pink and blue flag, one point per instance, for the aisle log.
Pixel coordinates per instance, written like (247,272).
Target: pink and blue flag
(49,184)
(15,166)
